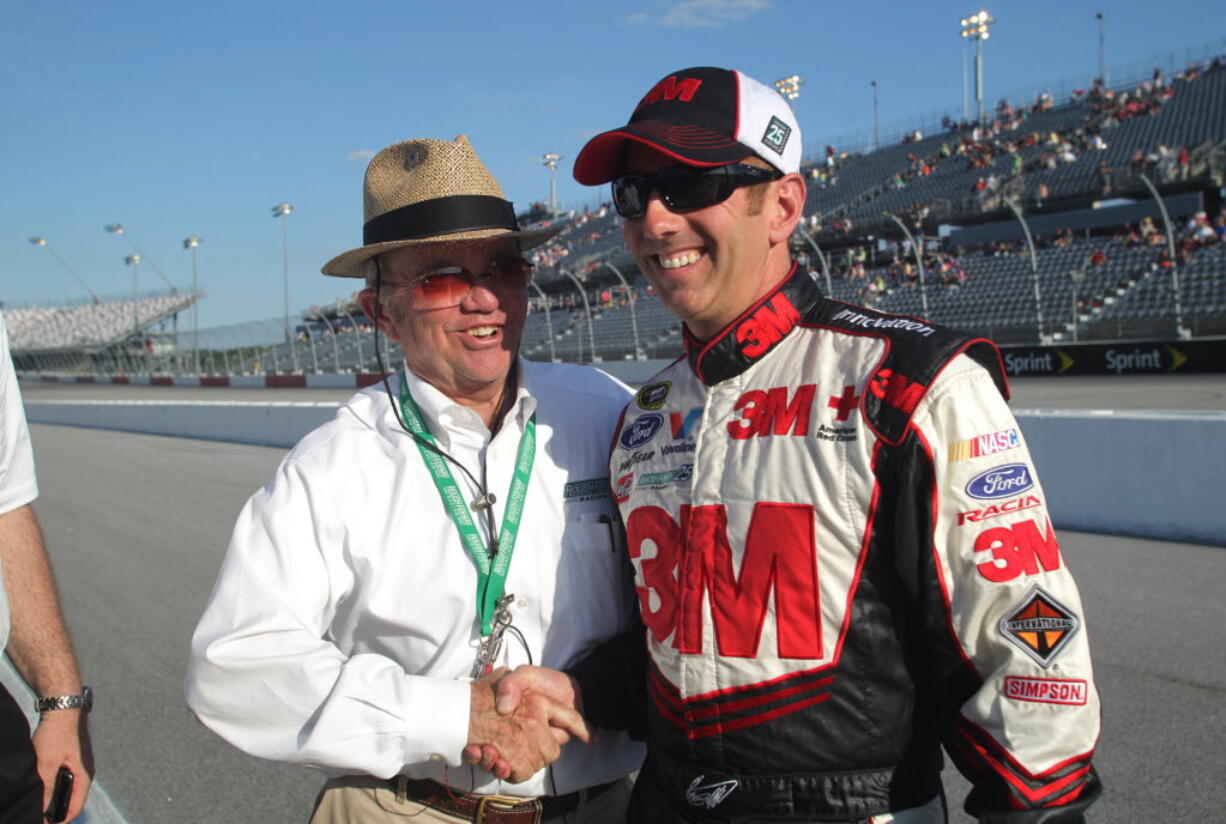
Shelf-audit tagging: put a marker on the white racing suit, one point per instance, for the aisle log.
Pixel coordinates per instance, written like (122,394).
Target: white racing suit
(844,560)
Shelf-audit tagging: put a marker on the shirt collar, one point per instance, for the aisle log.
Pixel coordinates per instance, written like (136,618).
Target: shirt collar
(757,330)
(444,416)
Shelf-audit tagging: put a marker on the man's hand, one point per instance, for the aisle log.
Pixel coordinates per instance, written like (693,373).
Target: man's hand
(62,740)
(524,738)
(535,690)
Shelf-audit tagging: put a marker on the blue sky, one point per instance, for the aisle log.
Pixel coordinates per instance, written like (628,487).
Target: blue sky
(180,119)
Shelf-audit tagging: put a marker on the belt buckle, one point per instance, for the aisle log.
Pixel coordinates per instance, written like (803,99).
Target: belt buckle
(509,801)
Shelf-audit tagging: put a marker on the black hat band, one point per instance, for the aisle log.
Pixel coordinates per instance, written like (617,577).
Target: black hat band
(440,216)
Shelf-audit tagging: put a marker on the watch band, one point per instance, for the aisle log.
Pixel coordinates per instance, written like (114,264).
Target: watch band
(84,701)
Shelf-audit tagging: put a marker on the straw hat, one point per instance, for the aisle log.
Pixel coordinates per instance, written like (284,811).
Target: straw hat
(427,191)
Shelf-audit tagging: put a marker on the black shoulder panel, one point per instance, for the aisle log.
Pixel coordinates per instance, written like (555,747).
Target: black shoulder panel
(916,352)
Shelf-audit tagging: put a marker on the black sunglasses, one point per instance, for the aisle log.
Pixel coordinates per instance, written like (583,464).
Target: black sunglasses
(686,187)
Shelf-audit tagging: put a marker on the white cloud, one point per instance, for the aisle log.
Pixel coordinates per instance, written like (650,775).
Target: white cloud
(638,17)
(711,13)
(358,155)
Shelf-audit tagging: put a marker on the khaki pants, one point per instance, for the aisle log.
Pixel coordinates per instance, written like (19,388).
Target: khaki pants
(358,799)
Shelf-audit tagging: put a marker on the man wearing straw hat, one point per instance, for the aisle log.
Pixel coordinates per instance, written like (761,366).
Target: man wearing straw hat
(448,523)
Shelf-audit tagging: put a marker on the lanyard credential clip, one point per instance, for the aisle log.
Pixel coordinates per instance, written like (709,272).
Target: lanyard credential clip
(491,645)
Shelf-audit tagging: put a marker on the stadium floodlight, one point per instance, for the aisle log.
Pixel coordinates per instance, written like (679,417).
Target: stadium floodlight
(975,28)
(191,243)
(876,120)
(134,262)
(550,162)
(117,229)
(42,241)
(1102,53)
(283,210)
(789,86)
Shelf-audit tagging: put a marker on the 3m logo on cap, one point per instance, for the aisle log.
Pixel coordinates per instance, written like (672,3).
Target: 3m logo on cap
(1041,627)
(670,88)
(776,135)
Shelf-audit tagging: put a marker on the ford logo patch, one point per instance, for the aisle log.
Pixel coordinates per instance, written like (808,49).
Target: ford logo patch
(1000,482)
(641,431)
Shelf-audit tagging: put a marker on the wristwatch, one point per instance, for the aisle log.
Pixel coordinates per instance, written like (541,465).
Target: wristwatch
(84,701)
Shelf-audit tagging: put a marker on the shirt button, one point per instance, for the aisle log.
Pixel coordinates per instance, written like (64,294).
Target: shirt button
(522,603)
(436,757)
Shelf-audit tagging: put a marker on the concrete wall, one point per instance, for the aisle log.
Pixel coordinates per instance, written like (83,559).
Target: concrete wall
(1150,474)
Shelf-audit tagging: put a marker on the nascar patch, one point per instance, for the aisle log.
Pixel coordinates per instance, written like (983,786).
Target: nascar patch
(652,396)
(1040,626)
(981,445)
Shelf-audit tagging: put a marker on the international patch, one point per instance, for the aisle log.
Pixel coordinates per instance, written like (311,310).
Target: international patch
(1041,626)
(653,395)
(641,430)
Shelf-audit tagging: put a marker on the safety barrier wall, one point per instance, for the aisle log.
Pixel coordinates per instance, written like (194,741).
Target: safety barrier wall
(1150,474)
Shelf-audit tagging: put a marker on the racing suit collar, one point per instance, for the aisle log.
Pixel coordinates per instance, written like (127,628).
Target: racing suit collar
(756,331)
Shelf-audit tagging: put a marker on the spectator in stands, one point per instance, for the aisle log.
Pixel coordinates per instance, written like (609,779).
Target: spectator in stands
(343,631)
(33,633)
(920,614)
(1097,257)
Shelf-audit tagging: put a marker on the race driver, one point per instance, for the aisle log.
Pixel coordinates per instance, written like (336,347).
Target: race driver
(842,553)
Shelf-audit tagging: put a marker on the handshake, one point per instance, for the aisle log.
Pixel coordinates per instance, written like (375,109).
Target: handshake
(519,721)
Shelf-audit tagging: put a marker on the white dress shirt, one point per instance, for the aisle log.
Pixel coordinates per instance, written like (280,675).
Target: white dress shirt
(17,482)
(343,627)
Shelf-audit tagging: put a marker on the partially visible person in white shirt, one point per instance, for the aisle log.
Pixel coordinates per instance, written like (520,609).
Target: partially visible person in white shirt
(364,613)
(33,634)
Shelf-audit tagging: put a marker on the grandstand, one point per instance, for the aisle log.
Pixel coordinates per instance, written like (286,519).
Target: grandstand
(105,336)
(1081,172)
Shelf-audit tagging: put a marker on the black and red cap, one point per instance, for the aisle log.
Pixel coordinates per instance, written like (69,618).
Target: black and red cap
(702,116)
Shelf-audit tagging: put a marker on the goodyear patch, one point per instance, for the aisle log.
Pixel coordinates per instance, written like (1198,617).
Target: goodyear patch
(1040,626)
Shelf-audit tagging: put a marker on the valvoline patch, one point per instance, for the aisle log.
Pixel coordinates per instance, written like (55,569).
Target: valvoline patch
(641,430)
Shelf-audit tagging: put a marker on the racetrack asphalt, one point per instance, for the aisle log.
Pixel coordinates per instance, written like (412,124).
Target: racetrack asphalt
(137,525)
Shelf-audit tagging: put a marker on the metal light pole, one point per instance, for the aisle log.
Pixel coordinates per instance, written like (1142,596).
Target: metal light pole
(134,261)
(919,260)
(191,243)
(1077,276)
(1034,263)
(634,321)
(876,119)
(587,307)
(117,229)
(976,28)
(1170,247)
(42,241)
(553,355)
(1102,51)
(283,210)
(789,87)
(822,258)
(550,161)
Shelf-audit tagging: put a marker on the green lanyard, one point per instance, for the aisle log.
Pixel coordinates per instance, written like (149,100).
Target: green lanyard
(491,573)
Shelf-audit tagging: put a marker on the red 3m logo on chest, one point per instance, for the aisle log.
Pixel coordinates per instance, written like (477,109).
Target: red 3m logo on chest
(693,561)
(769,412)
(767,326)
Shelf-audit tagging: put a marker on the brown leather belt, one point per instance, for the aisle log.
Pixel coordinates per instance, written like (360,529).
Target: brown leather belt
(495,809)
